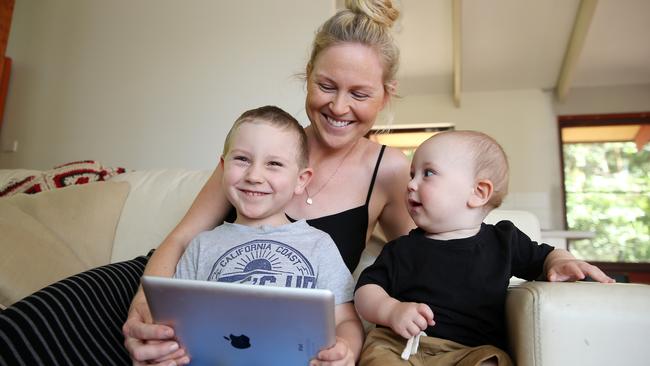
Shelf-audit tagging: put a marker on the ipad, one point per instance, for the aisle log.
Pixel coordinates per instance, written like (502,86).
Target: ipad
(248,325)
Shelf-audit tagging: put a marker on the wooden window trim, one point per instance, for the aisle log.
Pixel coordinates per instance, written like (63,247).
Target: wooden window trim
(586,120)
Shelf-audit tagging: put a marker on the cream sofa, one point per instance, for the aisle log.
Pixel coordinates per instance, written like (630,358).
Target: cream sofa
(54,234)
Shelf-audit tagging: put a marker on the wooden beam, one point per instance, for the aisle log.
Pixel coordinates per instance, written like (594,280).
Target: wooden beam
(6,13)
(581,25)
(456,41)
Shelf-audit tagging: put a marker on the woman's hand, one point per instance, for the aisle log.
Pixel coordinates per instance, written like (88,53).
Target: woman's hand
(340,354)
(408,319)
(148,343)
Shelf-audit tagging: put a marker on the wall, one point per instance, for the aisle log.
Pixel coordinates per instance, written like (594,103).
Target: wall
(157,83)
(604,100)
(524,123)
(148,83)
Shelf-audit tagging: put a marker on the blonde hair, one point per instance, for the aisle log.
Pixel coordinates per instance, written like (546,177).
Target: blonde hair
(490,161)
(366,22)
(275,117)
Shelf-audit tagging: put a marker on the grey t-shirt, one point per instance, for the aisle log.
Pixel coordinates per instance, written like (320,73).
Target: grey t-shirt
(291,255)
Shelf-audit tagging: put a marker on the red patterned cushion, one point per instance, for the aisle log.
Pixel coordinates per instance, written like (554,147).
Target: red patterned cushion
(78,172)
(23,185)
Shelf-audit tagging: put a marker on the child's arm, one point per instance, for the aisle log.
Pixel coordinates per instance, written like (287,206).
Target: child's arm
(349,338)
(560,265)
(407,319)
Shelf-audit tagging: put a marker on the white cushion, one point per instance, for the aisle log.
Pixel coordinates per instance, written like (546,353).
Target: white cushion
(48,236)
(579,323)
(156,203)
(523,220)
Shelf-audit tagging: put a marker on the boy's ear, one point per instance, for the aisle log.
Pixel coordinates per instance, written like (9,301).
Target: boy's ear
(481,194)
(304,176)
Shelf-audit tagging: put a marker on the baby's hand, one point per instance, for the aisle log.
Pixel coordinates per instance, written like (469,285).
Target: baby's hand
(408,319)
(574,270)
(339,354)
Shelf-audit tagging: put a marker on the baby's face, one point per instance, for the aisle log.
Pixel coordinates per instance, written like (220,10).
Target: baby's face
(442,180)
(261,173)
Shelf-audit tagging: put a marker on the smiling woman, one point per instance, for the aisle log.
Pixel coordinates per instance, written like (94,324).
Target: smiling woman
(350,78)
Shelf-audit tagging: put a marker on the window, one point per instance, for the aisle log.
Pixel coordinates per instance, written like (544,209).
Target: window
(406,137)
(606,173)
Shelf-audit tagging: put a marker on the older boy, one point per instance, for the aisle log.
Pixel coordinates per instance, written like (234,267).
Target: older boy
(453,265)
(264,164)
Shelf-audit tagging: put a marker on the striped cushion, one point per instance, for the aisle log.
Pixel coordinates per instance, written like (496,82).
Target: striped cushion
(76,321)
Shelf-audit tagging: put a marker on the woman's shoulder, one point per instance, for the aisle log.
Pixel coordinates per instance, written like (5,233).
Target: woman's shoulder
(391,159)
(393,168)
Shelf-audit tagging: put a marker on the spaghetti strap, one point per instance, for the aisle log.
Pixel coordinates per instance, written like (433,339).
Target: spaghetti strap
(374,174)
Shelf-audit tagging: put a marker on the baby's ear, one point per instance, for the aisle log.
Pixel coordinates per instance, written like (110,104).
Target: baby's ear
(304,176)
(481,194)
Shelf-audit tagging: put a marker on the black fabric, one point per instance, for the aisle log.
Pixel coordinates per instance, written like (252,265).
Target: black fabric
(464,281)
(232,215)
(348,228)
(76,321)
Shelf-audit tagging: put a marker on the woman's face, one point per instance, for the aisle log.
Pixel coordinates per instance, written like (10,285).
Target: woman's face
(345,93)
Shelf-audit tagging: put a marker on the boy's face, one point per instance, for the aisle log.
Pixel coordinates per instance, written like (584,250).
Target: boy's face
(261,173)
(442,181)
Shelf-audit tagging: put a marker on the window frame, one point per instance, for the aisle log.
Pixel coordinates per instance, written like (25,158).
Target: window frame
(592,120)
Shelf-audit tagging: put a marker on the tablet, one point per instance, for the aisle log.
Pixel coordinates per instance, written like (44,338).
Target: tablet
(233,324)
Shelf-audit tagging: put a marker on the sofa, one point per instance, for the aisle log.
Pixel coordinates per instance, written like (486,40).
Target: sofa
(60,232)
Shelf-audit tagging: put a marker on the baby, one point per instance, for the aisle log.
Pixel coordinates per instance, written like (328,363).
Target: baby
(454,265)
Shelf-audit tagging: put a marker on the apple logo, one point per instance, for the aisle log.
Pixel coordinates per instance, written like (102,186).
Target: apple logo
(240,342)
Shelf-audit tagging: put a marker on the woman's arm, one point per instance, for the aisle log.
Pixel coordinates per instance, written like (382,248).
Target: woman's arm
(393,178)
(208,209)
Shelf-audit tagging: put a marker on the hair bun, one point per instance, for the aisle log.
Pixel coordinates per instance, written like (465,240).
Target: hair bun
(380,11)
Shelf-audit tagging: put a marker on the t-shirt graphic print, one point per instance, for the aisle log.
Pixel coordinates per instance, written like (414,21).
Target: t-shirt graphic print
(293,255)
(264,262)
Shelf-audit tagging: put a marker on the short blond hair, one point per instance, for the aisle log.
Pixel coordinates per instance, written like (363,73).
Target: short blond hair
(490,161)
(276,117)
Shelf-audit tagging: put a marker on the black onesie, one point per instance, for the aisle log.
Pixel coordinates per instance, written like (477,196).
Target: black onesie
(464,281)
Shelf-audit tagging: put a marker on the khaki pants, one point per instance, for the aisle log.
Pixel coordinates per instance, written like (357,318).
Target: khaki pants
(383,347)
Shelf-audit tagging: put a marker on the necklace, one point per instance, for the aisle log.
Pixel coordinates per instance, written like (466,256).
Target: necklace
(310,197)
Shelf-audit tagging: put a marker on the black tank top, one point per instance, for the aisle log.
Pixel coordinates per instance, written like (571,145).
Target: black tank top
(347,228)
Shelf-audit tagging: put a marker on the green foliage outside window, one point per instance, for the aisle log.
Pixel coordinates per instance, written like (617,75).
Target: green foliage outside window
(608,192)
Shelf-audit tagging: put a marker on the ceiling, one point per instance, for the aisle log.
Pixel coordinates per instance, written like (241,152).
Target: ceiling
(522,44)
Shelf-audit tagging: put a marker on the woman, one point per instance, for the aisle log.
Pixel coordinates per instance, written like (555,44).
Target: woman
(357,184)
(350,79)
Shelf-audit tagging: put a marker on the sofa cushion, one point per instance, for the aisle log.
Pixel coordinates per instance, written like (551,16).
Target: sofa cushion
(579,323)
(157,202)
(78,172)
(76,321)
(15,180)
(524,220)
(54,234)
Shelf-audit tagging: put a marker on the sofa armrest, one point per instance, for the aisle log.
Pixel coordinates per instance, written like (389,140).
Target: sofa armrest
(580,323)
